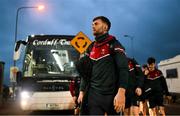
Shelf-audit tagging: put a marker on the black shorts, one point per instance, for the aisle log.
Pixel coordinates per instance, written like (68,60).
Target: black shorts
(98,104)
(156,99)
(132,99)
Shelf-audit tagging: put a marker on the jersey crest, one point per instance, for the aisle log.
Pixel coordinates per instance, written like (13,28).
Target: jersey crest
(101,50)
(130,65)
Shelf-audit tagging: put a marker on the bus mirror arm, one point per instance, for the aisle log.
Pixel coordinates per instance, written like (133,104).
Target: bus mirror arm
(18,43)
(19,77)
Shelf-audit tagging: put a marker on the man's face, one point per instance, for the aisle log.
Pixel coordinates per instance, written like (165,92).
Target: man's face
(99,27)
(151,66)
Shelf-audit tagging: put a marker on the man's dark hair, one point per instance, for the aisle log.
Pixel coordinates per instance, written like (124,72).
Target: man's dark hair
(151,60)
(105,20)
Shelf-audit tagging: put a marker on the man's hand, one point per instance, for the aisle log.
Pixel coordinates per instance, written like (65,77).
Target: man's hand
(80,98)
(169,97)
(74,98)
(138,91)
(146,72)
(119,100)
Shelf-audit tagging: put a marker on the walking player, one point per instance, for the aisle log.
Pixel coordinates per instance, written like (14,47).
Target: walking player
(109,75)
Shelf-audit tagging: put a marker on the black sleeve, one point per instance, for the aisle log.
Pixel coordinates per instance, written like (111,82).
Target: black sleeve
(77,87)
(84,67)
(83,84)
(164,86)
(139,74)
(121,65)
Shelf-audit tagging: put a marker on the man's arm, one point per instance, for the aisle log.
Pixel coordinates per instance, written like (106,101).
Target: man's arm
(139,78)
(84,67)
(164,86)
(123,75)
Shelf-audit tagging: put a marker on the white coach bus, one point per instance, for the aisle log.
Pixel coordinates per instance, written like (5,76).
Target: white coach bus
(48,69)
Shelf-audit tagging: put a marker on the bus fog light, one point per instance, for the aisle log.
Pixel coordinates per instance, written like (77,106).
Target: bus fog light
(23,103)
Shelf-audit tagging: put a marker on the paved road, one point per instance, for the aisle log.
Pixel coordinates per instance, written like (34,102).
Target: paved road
(173,109)
(11,108)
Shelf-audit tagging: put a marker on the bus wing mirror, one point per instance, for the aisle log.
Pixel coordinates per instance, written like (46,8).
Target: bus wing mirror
(18,49)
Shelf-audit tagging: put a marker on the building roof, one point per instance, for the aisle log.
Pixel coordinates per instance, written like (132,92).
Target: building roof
(169,61)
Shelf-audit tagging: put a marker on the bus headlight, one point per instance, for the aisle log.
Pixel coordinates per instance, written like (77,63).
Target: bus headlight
(25,95)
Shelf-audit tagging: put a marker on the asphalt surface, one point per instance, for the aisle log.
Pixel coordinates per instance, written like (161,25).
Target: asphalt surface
(12,108)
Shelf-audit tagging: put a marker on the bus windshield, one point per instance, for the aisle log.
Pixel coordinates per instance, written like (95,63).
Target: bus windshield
(43,61)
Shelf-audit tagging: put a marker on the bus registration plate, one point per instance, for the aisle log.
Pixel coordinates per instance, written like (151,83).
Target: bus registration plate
(52,106)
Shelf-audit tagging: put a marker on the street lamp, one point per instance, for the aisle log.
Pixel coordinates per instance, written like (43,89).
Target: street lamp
(132,38)
(15,39)
(17,15)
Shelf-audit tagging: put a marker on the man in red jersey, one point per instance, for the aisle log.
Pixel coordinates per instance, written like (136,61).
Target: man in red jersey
(157,84)
(109,74)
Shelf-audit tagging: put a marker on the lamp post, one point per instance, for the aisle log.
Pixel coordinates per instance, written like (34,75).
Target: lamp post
(15,39)
(132,38)
(17,16)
